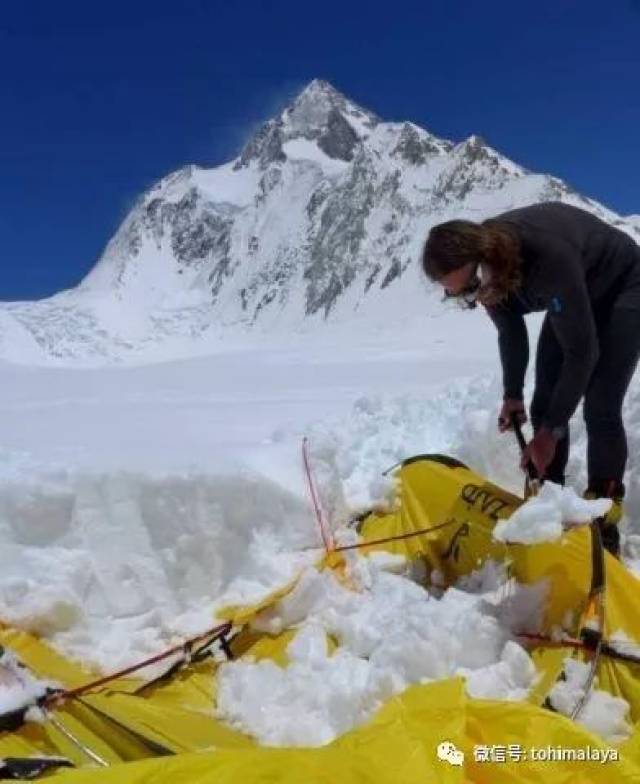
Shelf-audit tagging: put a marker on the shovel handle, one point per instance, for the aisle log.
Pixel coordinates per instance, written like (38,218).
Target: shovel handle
(532,473)
(517,429)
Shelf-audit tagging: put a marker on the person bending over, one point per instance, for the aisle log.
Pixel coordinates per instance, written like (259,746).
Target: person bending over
(585,274)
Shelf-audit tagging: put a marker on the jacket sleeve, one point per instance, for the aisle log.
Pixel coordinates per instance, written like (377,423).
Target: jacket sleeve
(571,318)
(513,342)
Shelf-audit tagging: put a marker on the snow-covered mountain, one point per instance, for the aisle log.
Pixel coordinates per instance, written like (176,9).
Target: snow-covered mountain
(322,215)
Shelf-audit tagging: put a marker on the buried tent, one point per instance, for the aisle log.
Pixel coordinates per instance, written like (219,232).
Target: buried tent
(125,731)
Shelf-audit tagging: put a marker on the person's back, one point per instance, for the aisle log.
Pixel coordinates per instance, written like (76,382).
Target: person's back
(552,231)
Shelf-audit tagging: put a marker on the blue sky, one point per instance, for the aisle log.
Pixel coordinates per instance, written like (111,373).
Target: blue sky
(99,100)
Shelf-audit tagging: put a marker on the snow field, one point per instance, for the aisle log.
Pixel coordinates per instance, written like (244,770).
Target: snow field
(135,501)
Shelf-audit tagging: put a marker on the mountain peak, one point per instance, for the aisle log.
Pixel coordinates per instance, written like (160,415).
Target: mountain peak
(324,93)
(318,113)
(323,211)
(316,104)
(320,88)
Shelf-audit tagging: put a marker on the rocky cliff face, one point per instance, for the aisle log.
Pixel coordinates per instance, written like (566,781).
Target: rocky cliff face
(322,214)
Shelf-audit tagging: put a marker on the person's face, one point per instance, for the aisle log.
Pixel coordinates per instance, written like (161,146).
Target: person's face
(463,284)
(456,282)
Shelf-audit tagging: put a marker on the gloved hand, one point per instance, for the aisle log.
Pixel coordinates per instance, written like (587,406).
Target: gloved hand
(511,406)
(540,451)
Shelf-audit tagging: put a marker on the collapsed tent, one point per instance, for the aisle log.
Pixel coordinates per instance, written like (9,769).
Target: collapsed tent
(127,730)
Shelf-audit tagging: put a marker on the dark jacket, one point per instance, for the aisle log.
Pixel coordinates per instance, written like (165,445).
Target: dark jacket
(574,267)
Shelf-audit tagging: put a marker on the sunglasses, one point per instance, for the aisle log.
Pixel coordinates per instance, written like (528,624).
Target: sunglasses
(468,296)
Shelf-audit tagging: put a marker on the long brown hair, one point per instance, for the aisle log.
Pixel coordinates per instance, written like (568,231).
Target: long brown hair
(453,244)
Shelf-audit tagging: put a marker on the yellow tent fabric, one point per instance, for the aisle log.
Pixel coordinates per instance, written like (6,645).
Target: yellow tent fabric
(433,492)
(168,732)
(399,746)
